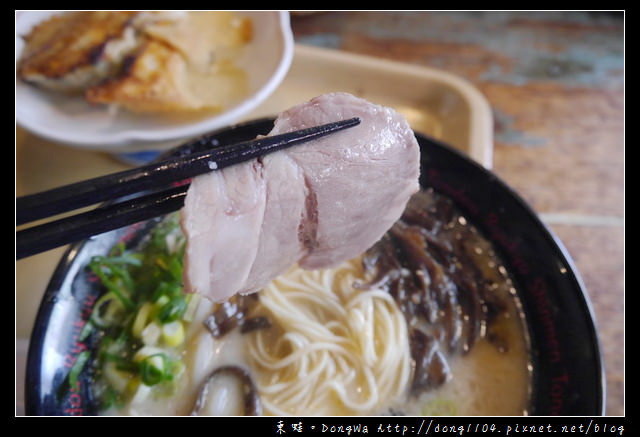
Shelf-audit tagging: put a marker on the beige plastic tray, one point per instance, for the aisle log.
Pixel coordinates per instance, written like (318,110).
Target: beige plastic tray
(435,103)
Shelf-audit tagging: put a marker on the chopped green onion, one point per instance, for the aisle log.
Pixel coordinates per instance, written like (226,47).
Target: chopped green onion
(175,267)
(118,379)
(78,365)
(193,300)
(440,407)
(172,310)
(121,363)
(140,318)
(153,369)
(146,352)
(118,255)
(168,290)
(173,333)
(151,334)
(112,285)
(86,330)
(108,310)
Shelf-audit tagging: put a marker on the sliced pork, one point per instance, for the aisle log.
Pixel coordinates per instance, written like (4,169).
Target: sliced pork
(222,219)
(317,204)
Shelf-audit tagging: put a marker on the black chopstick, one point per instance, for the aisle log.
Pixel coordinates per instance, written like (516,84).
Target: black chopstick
(106,218)
(47,236)
(70,197)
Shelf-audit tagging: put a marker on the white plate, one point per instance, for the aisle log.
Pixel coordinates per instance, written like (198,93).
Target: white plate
(74,122)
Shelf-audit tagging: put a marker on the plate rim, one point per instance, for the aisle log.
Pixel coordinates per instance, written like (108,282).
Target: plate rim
(117,139)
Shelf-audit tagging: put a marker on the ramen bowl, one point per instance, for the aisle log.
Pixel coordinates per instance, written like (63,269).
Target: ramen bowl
(566,367)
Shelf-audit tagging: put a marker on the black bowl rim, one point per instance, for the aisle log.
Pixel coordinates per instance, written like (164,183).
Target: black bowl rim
(561,251)
(34,358)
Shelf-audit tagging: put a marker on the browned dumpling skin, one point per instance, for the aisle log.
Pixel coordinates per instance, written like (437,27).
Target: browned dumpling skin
(72,51)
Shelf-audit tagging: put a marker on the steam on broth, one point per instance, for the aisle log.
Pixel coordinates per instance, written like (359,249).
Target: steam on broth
(427,321)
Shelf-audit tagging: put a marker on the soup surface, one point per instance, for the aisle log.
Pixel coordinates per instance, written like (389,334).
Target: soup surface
(426,322)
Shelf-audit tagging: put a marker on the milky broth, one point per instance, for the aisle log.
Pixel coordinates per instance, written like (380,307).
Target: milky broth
(485,382)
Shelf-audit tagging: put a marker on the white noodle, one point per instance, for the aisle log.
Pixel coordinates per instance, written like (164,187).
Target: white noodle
(336,350)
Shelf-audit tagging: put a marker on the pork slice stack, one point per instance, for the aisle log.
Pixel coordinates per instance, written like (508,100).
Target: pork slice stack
(317,204)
